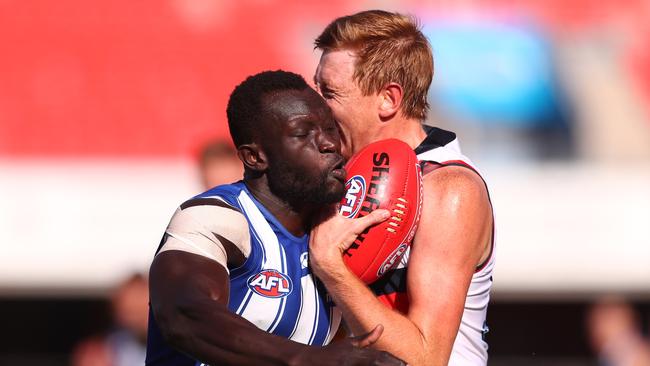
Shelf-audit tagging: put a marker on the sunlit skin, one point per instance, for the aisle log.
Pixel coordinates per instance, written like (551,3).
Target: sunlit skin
(362,119)
(454,239)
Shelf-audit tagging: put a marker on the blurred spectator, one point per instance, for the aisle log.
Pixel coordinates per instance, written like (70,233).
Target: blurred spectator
(615,334)
(125,344)
(219,164)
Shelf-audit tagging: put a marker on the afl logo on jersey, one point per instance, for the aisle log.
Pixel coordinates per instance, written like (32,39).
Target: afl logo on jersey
(355,192)
(270,283)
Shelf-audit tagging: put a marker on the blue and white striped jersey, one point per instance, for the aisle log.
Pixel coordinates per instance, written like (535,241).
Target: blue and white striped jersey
(273,288)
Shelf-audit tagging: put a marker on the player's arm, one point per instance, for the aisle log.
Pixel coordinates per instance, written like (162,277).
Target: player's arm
(189,296)
(454,230)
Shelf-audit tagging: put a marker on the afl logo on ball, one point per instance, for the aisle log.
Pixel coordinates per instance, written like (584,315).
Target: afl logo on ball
(270,283)
(392,259)
(355,192)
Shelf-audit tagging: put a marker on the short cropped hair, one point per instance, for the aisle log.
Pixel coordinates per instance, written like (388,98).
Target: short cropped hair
(245,109)
(390,47)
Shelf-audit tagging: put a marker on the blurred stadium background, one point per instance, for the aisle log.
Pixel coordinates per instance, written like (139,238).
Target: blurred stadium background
(104,105)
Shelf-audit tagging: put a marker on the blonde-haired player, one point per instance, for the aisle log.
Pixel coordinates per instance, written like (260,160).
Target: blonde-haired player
(374,73)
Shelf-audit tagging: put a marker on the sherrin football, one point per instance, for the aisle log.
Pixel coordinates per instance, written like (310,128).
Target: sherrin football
(384,174)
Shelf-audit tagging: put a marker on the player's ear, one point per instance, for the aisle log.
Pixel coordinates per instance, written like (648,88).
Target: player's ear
(390,100)
(252,156)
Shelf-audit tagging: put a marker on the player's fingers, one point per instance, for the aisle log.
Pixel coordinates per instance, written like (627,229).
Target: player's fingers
(368,339)
(373,218)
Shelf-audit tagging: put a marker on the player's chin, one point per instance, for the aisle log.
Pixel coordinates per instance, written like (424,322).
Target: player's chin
(335,190)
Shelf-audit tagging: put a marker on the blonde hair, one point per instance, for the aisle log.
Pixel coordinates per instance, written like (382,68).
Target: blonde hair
(390,47)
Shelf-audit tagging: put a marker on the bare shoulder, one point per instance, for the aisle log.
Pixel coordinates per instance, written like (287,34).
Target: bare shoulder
(457,205)
(455,184)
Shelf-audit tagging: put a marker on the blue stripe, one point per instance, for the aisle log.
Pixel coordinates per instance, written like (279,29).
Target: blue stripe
(247,297)
(329,326)
(283,255)
(314,326)
(295,324)
(259,242)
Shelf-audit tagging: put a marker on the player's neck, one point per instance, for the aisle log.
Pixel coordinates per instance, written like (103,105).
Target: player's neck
(292,218)
(405,129)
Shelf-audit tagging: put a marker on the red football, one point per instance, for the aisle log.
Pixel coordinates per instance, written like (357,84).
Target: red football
(384,174)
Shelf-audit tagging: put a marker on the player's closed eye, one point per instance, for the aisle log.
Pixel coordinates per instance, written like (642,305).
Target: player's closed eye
(327,93)
(300,133)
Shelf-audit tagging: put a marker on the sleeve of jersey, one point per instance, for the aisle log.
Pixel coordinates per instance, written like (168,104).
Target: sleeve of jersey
(214,231)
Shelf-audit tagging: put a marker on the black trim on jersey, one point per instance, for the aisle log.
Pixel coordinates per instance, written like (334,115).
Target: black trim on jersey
(436,137)
(163,240)
(206,202)
(393,281)
(489,257)
(235,258)
(427,166)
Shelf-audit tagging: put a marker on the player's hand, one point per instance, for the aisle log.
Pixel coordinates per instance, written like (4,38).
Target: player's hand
(351,352)
(335,234)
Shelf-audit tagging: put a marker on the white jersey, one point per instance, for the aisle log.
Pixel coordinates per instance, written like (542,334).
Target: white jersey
(441,148)
(469,348)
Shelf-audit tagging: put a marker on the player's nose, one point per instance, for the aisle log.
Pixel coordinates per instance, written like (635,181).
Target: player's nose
(328,143)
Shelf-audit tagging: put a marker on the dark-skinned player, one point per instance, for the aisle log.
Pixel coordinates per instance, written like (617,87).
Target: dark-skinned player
(231,282)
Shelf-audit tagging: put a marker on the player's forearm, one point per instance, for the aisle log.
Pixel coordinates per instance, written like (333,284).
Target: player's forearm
(189,297)
(215,336)
(362,311)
